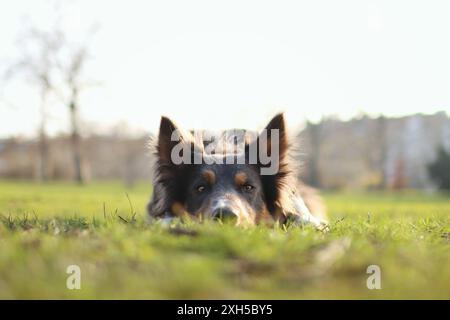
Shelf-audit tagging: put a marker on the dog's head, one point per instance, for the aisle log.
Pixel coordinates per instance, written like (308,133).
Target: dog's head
(239,176)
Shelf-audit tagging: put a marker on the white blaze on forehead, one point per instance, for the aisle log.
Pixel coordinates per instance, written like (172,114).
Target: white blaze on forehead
(221,203)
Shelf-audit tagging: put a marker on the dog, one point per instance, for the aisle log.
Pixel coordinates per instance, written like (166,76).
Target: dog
(206,177)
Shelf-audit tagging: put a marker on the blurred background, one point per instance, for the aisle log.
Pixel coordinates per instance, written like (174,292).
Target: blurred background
(364,85)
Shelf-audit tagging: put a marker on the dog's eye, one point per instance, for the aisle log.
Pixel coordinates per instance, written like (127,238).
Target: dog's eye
(200,189)
(248,187)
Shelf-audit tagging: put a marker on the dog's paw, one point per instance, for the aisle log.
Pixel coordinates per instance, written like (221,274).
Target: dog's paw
(309,219)
(323,226)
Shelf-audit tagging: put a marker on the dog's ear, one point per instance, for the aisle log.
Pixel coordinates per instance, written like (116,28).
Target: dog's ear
(275,128)
(165,144)
(169,136)
(273,138)
(273,141)
(168,181)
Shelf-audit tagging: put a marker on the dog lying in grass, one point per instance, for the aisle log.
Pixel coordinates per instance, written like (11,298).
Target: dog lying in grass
(239,176)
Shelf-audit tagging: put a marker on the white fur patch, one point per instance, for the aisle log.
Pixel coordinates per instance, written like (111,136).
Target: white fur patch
(304,215)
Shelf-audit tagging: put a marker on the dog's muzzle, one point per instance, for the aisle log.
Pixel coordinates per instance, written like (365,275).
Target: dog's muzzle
(224,214)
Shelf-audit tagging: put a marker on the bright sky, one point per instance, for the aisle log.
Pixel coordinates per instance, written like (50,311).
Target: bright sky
(216,64)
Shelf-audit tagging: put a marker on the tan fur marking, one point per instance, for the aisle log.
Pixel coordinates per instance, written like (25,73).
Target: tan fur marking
(240,178)
(178,209)
(209,176)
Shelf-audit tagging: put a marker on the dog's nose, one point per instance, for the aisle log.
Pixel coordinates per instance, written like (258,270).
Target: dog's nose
(224,213)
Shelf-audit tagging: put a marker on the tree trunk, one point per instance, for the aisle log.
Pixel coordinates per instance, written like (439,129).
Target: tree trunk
(43,143)
(383,146)
(76,139)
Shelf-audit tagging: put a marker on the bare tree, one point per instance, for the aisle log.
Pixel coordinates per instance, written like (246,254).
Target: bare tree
(72,80)
(71,67)
(56,64)
(39,51)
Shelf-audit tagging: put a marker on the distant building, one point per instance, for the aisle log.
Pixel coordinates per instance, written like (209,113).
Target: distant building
(371,152)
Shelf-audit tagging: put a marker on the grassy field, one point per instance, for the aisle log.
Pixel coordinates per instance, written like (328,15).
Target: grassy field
(102,229)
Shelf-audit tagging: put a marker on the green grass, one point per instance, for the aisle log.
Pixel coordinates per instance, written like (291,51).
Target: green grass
(102,228)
